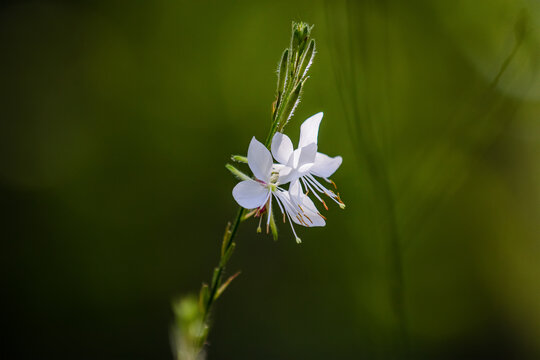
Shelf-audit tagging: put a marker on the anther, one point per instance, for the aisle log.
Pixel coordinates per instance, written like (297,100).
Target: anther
(341,203)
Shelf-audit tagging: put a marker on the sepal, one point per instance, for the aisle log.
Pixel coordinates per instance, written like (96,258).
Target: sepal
(237,173)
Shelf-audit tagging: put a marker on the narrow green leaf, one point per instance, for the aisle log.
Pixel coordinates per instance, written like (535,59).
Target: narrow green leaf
(226,237)
(227,255)
(307,60)
(282,72)
(248,215)
(204,334)
(290,106)
(283,80)
(216,279)
(203,296)
(216,276)
(223,287)
(237,173)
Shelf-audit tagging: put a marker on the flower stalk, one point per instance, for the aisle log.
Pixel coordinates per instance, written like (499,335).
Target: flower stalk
(192,327)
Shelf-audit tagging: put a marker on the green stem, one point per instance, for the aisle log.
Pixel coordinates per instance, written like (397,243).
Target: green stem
(287,97)
(286,108)
(220,269)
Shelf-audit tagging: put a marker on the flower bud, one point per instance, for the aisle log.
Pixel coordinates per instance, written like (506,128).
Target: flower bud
(300,37)
(237,173)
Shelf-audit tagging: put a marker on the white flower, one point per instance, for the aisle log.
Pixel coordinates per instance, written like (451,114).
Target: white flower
(257,193)
(302,164)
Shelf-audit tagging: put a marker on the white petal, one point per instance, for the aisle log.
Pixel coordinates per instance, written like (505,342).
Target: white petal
(250,194)
(325,166)
(306,157)
(299,162)
(302,156)
(309,212)
(259,160)
(293,159)
(285,205)
(278,167)
(287,174)
(295,190)
(310,130)
(282,147)
(290,205)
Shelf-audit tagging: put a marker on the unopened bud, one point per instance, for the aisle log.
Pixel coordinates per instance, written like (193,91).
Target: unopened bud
(239,158)
(300,37)
(237,173)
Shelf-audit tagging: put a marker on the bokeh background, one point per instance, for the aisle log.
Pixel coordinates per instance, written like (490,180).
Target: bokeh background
(118,116)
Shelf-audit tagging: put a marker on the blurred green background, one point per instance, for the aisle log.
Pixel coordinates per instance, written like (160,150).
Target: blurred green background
(118,116)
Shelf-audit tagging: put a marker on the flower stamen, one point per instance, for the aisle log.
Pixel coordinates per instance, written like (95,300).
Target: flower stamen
(259,229)
(332,182)
(311,181)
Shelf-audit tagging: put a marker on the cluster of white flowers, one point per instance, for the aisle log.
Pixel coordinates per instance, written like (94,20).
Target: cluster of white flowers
(296,167)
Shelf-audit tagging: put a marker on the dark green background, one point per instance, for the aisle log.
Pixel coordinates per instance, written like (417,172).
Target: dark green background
(118,116)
